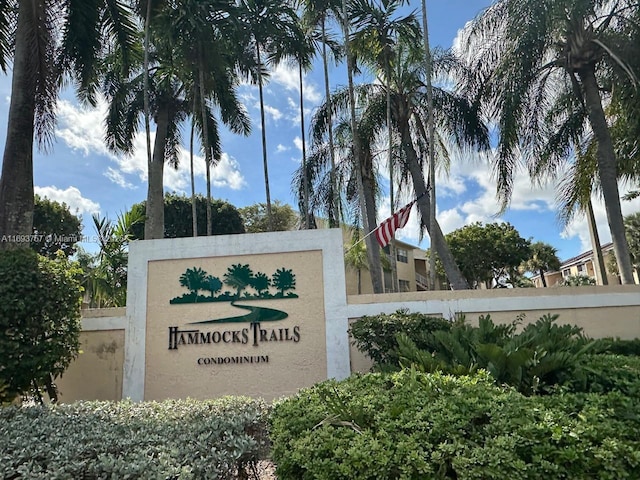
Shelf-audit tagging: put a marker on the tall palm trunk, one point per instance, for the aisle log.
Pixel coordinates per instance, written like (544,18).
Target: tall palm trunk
(598,258)
(334,216)
(307,218)
(16,182)
(431,133)
(207,147)
(373,252)
(392,244)
(154,224)
(264,140)
(456,280)
(194,212)
(147,112)
(607,172)
(542,278)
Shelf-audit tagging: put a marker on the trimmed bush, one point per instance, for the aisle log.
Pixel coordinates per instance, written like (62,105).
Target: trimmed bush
(609,373)
(376,335)
(176,439)
(39,320)
(618,347)
(410,425)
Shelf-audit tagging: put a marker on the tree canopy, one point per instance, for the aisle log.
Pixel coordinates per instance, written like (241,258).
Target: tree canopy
(54,228)
(487,253)
(178,222)
(256,219)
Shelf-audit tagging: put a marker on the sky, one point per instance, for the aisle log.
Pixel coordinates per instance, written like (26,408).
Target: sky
(80,171)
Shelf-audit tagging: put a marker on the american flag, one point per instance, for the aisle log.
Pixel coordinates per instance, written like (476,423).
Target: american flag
(384,232)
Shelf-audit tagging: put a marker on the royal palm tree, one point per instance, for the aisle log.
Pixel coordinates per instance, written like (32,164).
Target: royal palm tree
(170,106)
(207,37)
(533,53)
(317,13)
(272,28)
(183,83)
(377,28)
(44,41)
(365,196)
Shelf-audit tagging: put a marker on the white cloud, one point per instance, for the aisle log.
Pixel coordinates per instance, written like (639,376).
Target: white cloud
(71,196)
(226,174)
(288,77)
(579,228)
(451,186)
(450,220)
(298,143)
(82,128)
(117,178)
(273,112)
(281,148)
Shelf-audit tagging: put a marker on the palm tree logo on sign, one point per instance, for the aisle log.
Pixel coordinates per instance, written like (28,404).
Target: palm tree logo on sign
(244,285)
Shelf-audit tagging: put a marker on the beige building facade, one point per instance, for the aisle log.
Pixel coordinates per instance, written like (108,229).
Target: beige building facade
(583,265)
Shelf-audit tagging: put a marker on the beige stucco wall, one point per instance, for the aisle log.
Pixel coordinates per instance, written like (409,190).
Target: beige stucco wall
(181,372)
(97,372)
(597,321)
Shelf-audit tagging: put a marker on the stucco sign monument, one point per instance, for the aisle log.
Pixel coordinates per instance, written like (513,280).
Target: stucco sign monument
(261,315)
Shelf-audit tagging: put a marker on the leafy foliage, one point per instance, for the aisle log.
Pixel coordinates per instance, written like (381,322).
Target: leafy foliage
(486,253)
(376,335)
(54,228)
(255,219)
(105,274)
(411,425)
(180,439)
(543,258)
(178,217)
(39,320)
(543,355)
(578,281)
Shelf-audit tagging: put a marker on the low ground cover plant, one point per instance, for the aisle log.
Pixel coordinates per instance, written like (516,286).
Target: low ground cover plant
(412,425)
(173,439)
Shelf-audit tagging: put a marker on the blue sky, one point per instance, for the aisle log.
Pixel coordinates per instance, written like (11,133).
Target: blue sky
(79,170)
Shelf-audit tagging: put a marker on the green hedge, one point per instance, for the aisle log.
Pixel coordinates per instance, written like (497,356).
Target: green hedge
(410,425)
(376,335)
(177,439)
(617,346)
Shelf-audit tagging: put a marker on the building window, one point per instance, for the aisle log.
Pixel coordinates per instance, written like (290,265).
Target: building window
(402,255)
(566,273)
(404,285)
(582,270)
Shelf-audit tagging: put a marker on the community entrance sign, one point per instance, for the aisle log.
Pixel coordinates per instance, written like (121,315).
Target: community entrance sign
(260,315)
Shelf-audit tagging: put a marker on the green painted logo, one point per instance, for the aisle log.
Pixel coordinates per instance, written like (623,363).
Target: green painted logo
(246,285)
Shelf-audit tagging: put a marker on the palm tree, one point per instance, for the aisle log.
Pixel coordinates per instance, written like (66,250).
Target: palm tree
(533,57)
(45,41)
(316,12)
(365,192)
(238,276)
(377,29)
(272,28)
(544,258)
(169,107)
(355,257)
(207,37)
(457,119)
(183,83)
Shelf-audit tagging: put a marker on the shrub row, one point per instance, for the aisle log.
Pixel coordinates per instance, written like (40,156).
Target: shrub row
(411,425)
(535,360)
(174,439)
